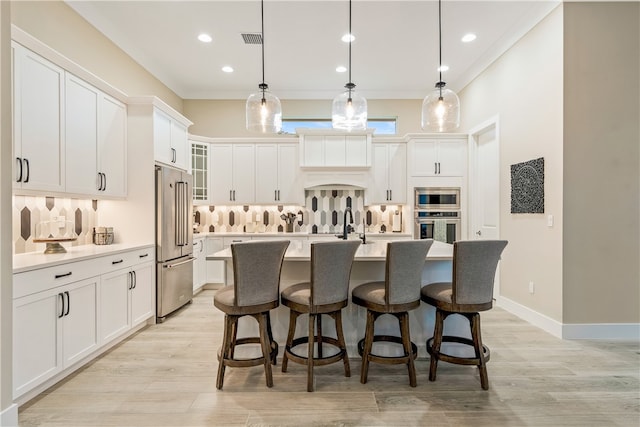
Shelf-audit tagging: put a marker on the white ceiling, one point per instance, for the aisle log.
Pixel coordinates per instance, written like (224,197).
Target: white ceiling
(394,56)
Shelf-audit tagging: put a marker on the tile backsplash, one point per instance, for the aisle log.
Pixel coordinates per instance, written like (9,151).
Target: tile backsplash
(30,213)
(323,213)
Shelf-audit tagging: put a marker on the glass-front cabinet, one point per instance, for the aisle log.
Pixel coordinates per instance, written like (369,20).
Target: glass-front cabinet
(200,172)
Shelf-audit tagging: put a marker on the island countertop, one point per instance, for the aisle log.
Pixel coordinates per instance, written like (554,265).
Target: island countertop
(372,251)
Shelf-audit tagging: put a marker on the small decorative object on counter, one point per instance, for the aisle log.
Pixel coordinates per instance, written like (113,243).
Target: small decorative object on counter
(102,235)
(397,222)
(53,233)
(289,218)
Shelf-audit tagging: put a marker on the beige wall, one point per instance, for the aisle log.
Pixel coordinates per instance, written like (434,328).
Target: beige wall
(226,118)
(6,284)
(601,163)
(61,28)
(524,88)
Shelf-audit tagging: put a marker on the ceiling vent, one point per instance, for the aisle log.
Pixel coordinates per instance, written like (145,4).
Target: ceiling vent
(252,38)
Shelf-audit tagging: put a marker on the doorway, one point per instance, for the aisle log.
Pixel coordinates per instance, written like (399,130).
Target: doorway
(484,200)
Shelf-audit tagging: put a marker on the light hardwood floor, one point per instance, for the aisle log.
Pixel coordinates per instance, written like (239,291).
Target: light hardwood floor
(165,376)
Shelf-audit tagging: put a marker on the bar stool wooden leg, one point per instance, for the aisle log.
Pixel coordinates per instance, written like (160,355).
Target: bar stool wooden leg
(266,347)
(293,318)
(337,316)
(312,318)
(368,344)
(403,319)
(233,336)
(224,350)
(477,345)
(273,344)
(436,344)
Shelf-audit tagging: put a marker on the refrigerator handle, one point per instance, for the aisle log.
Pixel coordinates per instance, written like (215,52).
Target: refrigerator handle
(179,213)
(185,213)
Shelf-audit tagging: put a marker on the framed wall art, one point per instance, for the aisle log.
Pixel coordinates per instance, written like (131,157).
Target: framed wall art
(527,186)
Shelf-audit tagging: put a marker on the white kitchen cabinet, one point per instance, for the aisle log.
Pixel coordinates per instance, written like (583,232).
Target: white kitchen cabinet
(52,330)
(215,270)
(232,174)
(95,141)
(170,142)
(200,171)
(38,112)
(335,150)
(126,298)
(277,174)
(439,157)
(389,174)
(199,265)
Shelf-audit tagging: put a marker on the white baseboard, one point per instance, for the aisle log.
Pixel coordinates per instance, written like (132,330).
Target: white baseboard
(572,331)
(601,331)
(9,417)
(537,319)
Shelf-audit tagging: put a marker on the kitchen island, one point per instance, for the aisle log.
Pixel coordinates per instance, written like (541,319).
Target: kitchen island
(369,265)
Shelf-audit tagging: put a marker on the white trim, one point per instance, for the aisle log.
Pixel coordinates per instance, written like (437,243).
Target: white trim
(572,331)
(537,319)
(601,331)
(9,417)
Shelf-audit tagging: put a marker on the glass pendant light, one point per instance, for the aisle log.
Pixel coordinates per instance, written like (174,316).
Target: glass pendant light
(349,109)
(441,108)
(264,112)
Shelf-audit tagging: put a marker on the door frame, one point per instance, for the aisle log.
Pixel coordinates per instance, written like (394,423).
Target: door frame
(493,123)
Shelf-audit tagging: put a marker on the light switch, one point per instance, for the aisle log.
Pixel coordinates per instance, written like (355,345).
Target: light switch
(549,220)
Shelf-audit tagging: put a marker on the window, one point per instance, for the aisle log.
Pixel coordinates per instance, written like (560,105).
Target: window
(381,126)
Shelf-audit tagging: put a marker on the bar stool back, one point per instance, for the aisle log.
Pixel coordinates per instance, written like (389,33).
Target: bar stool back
(470,291)
(397,295)
(326,293)
(256,268)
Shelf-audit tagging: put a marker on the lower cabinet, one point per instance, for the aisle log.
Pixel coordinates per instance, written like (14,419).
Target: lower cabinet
(126,300)
(52,330)
(66,313)
(200,264)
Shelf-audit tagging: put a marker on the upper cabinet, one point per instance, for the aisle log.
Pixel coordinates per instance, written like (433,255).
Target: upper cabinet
(232,174)
(200,171)
(69,136)
(323,148)
(388,174)
(277,174)
(38,111)
(96,141)
(438,156)
(170,142)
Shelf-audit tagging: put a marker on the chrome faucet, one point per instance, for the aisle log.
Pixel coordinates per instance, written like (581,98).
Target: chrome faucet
(345,229)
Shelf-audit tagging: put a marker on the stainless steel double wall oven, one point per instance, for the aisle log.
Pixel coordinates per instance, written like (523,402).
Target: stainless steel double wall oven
(437,213)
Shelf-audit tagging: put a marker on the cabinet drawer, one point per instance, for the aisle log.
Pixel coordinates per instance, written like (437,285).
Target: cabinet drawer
(33,281)
(120,260)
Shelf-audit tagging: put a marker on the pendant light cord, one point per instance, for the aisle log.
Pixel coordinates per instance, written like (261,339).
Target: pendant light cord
(440,44)
(350,41)
(263,86)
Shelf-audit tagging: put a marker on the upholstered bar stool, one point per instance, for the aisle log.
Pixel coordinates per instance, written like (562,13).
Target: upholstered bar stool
(397,295)
(469,292)
(327,292)
(256,269)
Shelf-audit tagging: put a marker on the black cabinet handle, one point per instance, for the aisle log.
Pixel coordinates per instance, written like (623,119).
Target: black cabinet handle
(116,262)
(61,305)
(19,162)
(58,276)
(68,303)
(104,185)
(143,256)
(26,162)
(135,279)
(173,155)
(130,274)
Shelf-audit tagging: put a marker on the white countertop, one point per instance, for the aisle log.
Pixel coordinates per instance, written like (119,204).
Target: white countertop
(372,251)
(34,260)
(388,236)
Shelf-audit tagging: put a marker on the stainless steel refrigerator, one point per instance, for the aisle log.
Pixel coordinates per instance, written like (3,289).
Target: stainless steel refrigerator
(174,240)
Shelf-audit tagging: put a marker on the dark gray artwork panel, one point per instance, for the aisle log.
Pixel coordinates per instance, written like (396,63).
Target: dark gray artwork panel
(527,187)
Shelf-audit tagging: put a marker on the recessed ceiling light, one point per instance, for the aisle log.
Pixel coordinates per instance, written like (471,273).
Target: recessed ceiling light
(341,69)
(205,38)
(443,68)
(468,37)
(348,38)
(227,69)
